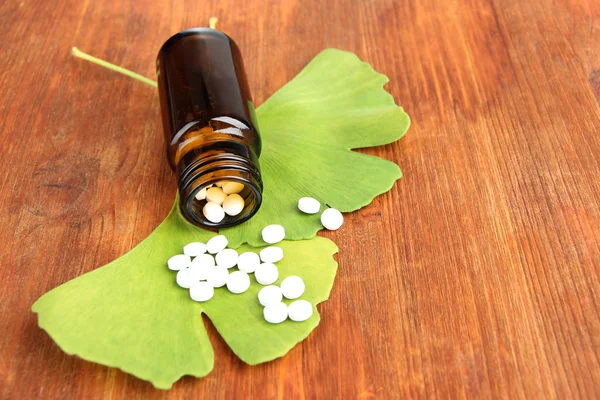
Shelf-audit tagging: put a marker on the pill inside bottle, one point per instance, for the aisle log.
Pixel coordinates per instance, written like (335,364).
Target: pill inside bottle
(212,137)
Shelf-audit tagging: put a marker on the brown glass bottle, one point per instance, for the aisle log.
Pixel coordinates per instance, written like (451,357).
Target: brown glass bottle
(208,119)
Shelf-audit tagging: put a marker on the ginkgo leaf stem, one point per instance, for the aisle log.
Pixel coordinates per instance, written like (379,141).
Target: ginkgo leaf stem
(80,54)
(212,23)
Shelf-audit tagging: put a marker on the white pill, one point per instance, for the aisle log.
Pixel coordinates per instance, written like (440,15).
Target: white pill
(275,313)
(183,278)
(227,258)
(266,274)
(201,291)
(233,204)
(269,294)
(273,234)
(309,205)
(332,219)
(199,273)
(194,249)
(238,282)
(201,195)
(271,254)
(292,287)
(203,260)
(179,262)
(216,244)
(218,276)
(213,212)
(300,310)
(215,195)
(201,267)
(232,187)
(248,262)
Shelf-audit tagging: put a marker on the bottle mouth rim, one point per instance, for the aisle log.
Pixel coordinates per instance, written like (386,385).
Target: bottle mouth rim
(195,215)
(201,178)
(216,164)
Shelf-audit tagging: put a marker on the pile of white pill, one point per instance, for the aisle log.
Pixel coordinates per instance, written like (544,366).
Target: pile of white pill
(221,199)
(205,266)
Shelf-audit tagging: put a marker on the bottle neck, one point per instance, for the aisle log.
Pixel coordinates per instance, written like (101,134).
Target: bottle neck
(198,170)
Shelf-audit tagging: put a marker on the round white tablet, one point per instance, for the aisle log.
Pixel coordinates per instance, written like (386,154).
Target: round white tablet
(183,278)
(213,212)
(194,249)
(269,294)
(248,262)
(238,282)
(204,260)
(201,195)
(233,204)
(271,254)
(215,195)
(266,273)
(218,276)
(232,187)
(300,310)
(332,219)
(308,205)
(201,291)
(273,234)
(216,244)
(275,313)
(201,267)
(227,258)
(292,287)
(199,272)
(178,262)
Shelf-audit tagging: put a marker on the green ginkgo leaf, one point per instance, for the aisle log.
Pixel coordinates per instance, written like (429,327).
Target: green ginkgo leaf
(336,103)
(130,314)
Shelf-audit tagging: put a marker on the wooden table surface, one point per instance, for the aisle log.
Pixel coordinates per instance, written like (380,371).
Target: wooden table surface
(477,276)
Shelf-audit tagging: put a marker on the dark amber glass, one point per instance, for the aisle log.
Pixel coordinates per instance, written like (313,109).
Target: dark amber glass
(208,119)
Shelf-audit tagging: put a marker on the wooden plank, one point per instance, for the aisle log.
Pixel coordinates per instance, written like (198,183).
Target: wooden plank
(476,276)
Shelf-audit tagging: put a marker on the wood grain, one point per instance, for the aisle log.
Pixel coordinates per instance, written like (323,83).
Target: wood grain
(477,276)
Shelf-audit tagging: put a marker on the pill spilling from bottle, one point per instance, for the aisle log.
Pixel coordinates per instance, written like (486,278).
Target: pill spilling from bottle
(205,266)
(225,199)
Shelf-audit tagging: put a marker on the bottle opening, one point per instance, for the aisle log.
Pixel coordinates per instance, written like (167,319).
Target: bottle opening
(222,202)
